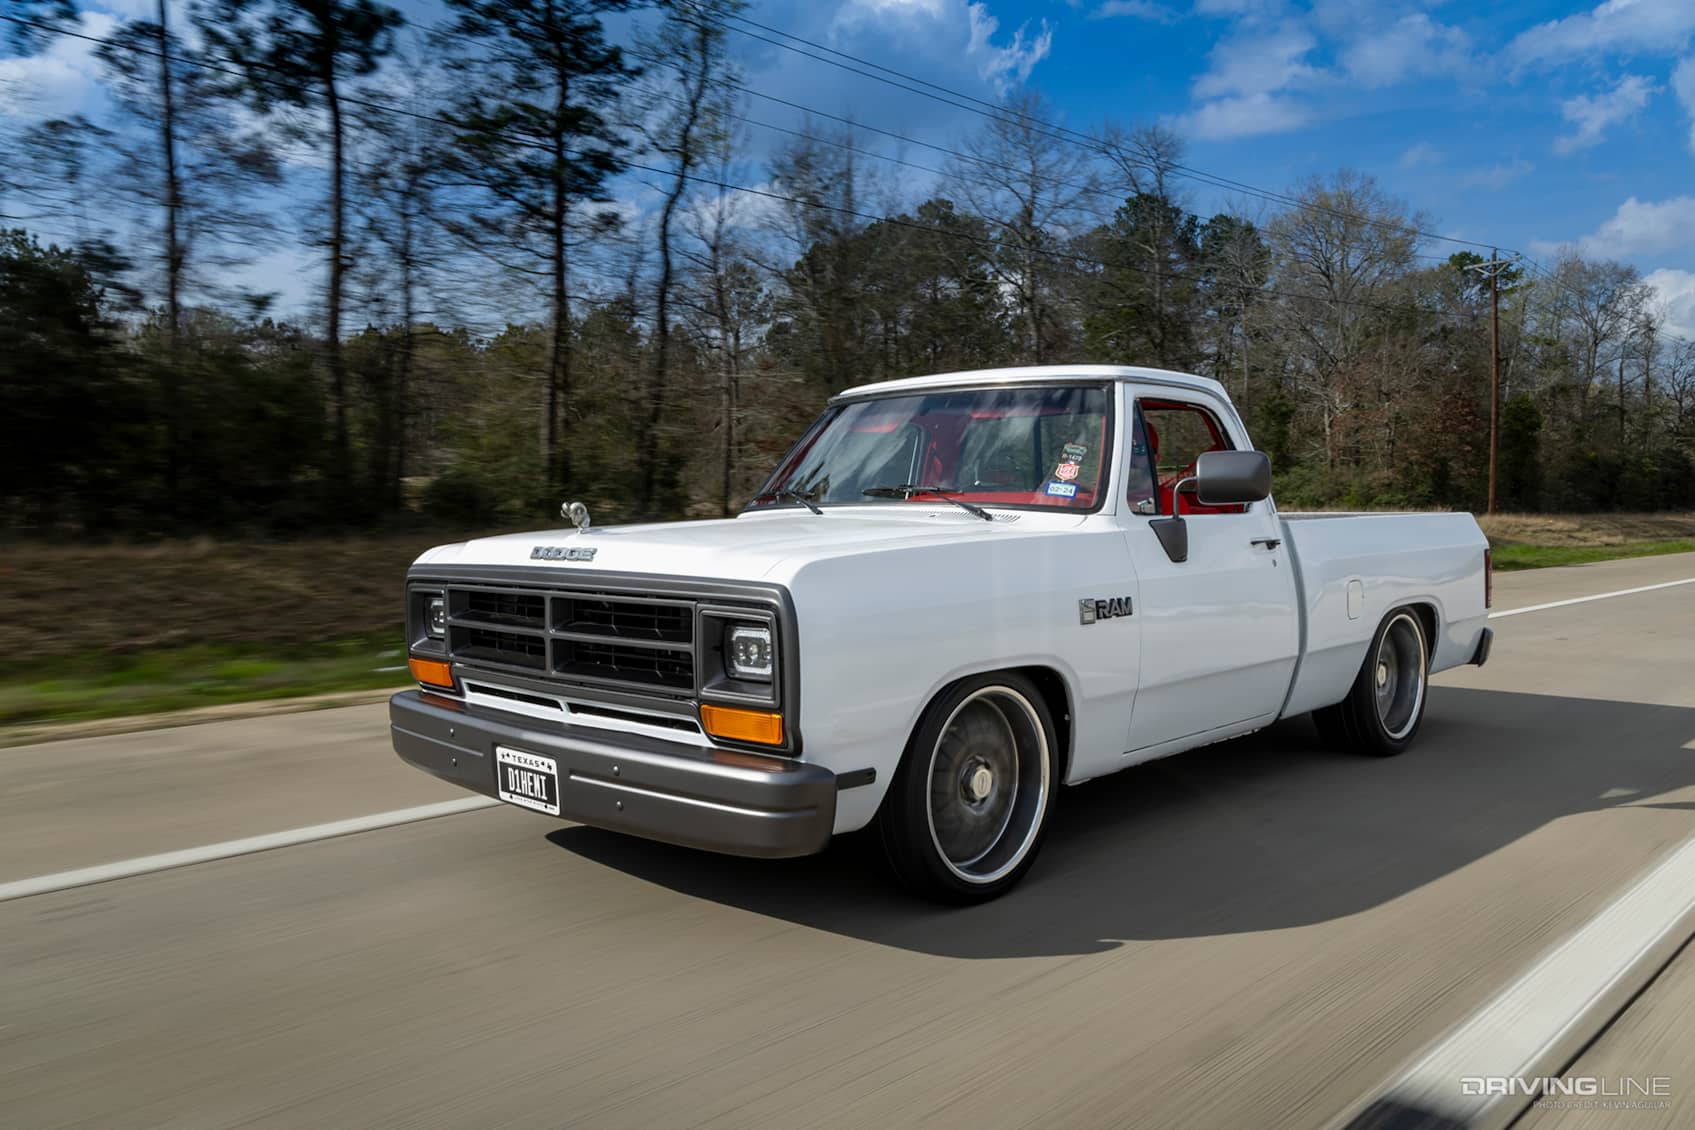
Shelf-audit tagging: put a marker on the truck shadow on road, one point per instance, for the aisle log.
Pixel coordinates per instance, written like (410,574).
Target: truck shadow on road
(1261,833)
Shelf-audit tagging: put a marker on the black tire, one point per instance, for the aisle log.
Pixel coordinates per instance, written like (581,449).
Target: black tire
(971,802)
(1385,706)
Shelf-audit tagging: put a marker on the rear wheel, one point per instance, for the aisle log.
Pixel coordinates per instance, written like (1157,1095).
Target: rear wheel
(969,805)
(1385,705)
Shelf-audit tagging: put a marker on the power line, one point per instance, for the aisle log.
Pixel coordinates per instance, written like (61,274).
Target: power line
(1055,131)
(993,111)
(865,217)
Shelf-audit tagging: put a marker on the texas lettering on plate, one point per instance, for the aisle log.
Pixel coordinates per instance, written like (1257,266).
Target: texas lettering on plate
(527,779)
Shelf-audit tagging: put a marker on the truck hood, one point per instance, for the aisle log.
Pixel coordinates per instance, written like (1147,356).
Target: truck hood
(763,545)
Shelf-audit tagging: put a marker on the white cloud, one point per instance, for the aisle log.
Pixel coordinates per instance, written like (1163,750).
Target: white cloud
(1232,7)
(1683,83)
(1423,153)
(1594,114)
(1258,64)
(1499,176)
(1414,46)
(935,9)
(1246,115)
(931,22)
(1008,65)
(1617,25)
(58,80)
(1246,90)
(143,10)
(1676,292)
(1641,228)
(1133,9)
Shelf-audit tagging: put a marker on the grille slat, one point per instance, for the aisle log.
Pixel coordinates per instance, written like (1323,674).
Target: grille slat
(510,648)
(625,619)
(505,609)
(648,666)
(607,639)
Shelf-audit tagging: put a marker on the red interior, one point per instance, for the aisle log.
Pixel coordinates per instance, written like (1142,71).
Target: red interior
(947,434)
(1186,503)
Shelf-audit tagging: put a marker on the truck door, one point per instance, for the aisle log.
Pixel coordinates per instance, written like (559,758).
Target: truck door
(1220,630)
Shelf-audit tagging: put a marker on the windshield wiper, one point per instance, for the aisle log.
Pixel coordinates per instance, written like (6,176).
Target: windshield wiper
(907,490)
(804,497)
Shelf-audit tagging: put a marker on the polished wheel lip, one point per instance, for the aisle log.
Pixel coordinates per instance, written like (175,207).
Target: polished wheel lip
(1402,633)
(1033,721)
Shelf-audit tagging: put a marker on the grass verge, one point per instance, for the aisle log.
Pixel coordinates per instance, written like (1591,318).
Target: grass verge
(73,688)
(118,630)
(1511,556)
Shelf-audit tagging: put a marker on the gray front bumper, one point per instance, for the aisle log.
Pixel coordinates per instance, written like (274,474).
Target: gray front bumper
(714,799)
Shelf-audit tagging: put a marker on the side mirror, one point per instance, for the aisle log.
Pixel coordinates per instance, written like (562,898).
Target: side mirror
(1226,477)
(1221,478)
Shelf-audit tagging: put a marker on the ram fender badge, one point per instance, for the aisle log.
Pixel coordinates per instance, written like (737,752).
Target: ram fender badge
(1090,608)
(562,553)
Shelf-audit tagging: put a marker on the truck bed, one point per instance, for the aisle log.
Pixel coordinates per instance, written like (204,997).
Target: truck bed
(1352,569)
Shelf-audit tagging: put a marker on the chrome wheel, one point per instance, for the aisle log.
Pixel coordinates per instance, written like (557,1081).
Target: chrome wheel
(988,784)
(1398,675)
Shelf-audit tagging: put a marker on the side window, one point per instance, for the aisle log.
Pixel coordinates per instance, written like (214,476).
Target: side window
(1143,488)
(1178,433)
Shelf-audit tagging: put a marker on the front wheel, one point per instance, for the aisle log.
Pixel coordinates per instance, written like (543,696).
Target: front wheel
(1385,705)
(970,803)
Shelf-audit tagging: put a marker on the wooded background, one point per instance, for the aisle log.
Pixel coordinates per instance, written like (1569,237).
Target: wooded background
(555,265)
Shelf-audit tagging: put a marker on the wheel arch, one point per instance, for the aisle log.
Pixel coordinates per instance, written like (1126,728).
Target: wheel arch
(1056,695)
(1049,681)
(1429,622)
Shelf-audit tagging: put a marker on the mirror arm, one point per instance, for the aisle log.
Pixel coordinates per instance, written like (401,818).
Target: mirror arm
(1172,531)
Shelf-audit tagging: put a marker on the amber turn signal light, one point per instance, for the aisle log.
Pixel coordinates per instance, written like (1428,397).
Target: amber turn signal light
(735,724)
(431,672)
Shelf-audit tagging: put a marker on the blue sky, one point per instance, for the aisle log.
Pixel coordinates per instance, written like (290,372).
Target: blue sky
(1530,124)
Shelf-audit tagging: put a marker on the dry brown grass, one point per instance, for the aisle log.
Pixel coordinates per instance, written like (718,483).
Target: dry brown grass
(68,600)
(125,599)
(1585,529)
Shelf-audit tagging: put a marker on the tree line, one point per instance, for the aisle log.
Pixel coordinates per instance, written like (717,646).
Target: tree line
(552,262)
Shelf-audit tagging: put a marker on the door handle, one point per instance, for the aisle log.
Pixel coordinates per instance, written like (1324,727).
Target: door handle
(1269,543)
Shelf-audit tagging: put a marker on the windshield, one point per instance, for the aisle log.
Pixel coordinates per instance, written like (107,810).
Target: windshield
(1018,447)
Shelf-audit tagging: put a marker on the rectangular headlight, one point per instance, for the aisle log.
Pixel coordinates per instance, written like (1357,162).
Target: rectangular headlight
(435,618)
(749,653)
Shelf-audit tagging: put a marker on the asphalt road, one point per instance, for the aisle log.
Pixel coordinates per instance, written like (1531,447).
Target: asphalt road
(1251,935)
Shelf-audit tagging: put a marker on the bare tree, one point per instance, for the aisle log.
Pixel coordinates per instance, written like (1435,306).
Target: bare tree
(1339,252)
(305,55)
(1034,188)
(685,120)
(1602,303)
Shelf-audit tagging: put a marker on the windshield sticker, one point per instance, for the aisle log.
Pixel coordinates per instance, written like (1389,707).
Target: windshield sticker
(1062,490)
(1065,472)
(1074,452)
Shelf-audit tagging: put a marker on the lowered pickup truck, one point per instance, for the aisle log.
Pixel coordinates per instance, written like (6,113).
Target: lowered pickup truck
(955,594)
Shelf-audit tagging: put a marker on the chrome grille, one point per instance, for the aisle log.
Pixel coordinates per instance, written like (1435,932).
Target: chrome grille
(605,639)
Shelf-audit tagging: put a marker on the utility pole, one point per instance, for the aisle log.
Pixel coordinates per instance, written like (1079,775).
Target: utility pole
(1494,267)
(1494,371)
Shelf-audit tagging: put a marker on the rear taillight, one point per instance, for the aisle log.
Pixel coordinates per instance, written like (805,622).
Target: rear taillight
(1488,578)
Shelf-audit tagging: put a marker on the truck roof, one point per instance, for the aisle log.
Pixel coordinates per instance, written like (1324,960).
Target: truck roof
(1027,374)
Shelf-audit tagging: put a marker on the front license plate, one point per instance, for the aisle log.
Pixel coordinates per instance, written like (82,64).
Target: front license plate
(527,779)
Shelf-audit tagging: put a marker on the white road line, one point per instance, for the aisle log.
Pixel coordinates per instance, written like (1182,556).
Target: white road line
(142,865)
(1587,599)
(1538,1023)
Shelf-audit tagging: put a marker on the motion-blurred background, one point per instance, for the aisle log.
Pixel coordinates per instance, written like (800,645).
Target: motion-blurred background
(301,288)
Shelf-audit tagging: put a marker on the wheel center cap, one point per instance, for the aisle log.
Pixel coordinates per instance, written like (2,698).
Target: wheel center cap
(980,783)
(1382,674)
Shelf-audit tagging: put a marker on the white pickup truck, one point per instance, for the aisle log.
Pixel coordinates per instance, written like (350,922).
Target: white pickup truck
(955,594)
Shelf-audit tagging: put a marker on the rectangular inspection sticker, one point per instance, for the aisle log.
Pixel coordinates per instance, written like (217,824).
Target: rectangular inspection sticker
(1063,490)
(527,779)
